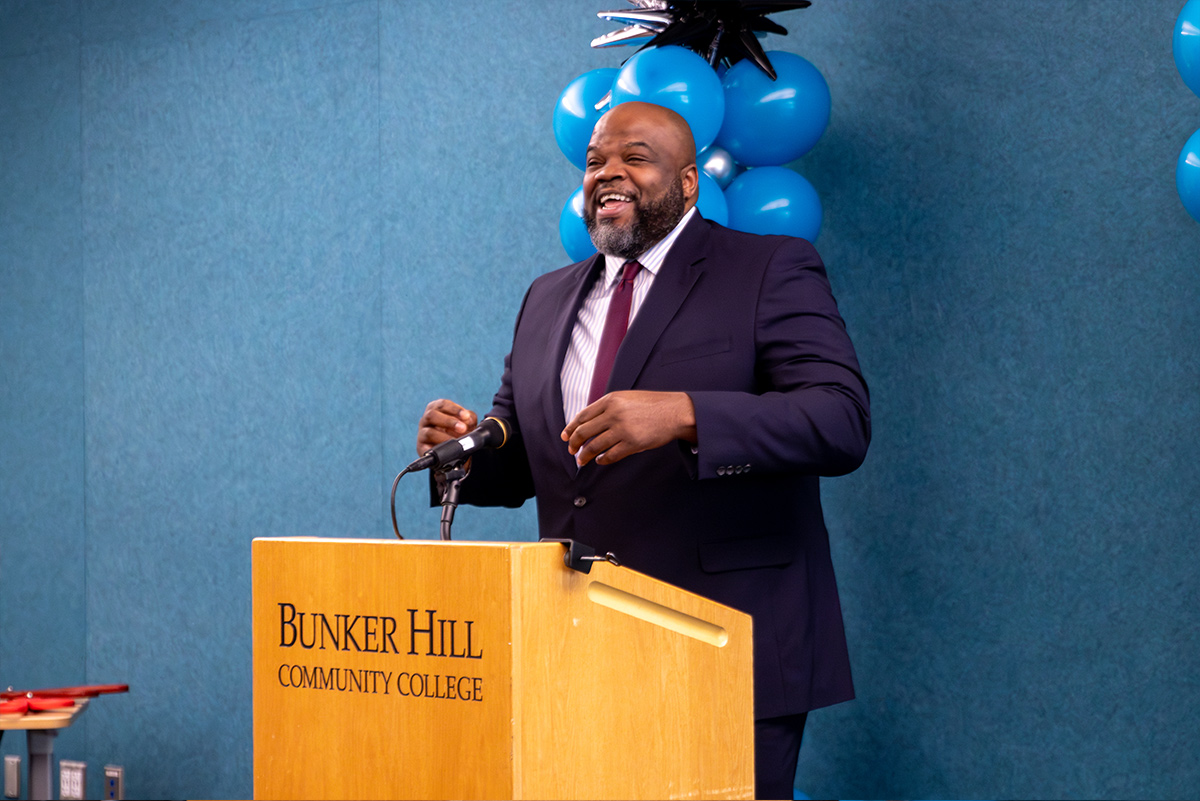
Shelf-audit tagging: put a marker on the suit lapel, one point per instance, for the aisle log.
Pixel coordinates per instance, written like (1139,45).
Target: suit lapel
(575,288)
(678,274)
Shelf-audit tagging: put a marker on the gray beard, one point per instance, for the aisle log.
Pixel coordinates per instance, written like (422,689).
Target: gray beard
(651,223)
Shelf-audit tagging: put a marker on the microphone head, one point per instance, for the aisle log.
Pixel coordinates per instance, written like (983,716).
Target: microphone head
(496,429)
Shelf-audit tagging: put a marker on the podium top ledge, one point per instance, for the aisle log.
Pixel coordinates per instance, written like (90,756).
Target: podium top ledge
(393,541)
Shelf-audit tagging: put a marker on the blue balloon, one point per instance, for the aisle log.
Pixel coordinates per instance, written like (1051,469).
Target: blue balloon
(711,202)
(773,122)
(572,230)
(1187,176)
(575,112)
(774,200)
(1186,45)
(680,80)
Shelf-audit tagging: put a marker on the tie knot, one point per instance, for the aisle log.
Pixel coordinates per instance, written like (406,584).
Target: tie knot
(631,270)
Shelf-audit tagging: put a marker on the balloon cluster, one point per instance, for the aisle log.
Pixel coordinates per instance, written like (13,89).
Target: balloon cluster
(745,124)
(1187,59)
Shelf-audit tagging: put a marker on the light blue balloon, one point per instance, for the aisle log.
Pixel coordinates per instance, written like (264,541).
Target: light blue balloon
(718,163)
(572,230)
(711,202)
(575,112)
(680,80)
(1186,44)
(774,200)
(773,122)
(1187,176)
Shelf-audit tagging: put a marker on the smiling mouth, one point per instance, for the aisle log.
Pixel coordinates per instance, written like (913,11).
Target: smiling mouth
(611,204)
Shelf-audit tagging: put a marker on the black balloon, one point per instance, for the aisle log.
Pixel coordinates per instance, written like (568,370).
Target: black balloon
(721,31)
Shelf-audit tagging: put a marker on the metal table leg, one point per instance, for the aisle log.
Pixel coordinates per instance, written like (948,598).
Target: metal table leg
(41,763)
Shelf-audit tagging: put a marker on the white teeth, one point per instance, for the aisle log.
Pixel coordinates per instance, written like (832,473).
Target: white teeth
(605,198)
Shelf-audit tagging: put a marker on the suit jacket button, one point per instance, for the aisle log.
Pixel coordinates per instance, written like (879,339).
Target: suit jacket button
(580,502)
(720,471)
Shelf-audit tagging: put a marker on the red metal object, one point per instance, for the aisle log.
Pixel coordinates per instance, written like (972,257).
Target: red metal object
(84,691)
(16,707)
(43,703)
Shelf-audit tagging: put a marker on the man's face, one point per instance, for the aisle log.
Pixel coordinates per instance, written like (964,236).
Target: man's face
(638,180)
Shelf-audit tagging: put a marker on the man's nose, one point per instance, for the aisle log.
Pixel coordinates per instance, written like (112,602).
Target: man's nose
(609,170)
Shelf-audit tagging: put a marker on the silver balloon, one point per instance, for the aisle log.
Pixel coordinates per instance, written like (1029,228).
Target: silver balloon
(719,165)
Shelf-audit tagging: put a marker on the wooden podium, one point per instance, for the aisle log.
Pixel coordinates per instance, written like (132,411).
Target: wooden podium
(423,669)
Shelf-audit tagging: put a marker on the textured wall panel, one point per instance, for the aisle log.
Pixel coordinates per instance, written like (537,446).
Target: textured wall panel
(233,355)
(42,514)
(30,26)
(1020,278)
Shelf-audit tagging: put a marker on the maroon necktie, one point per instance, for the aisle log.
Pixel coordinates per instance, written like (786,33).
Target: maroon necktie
(615,325)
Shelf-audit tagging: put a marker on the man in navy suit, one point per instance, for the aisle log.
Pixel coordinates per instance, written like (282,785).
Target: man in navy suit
(697,459)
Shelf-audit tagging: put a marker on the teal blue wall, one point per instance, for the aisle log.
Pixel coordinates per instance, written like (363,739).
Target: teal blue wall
(243,242)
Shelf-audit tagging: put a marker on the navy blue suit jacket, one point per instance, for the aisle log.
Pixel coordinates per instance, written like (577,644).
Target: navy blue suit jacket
(748,327)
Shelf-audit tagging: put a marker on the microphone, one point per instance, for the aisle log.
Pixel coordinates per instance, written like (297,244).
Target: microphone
(491,433)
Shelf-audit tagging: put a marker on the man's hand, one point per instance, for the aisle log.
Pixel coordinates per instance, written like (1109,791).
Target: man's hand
(623,423)
(443,420)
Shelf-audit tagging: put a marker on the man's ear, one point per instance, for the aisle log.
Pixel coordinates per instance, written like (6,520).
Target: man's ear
(690,178)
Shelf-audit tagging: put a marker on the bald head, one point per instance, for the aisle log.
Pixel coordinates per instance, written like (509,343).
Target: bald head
(671,130)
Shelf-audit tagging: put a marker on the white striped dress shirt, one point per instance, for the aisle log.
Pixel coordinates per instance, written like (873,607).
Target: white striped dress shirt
(576,374)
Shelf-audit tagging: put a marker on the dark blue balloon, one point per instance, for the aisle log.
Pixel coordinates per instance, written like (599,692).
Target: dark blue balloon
(1187,176)
(1186,44)
(773,122)
(573,231)
(680,80)
(774,200)
(711,202)
(575,112)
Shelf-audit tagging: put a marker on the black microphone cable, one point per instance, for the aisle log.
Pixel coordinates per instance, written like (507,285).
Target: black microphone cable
(395,483)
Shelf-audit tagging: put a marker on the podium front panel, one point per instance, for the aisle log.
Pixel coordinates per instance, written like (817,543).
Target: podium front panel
(368,654)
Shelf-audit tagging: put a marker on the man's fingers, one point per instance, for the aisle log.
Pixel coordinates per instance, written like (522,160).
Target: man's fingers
(428,436)
(585,415)
(607,454)
(446,422)
(595,446)
(584,432)
(443,419)
(614,454)
(449,415)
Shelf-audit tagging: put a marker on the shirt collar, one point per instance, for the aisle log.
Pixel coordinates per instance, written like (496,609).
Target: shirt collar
(653,258)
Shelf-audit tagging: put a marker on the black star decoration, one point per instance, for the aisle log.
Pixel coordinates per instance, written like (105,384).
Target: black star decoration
(722,31)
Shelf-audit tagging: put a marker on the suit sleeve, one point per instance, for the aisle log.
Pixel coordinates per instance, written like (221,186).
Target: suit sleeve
(810,412)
